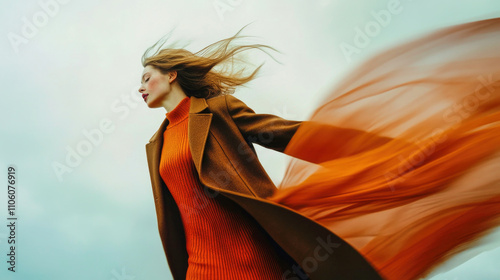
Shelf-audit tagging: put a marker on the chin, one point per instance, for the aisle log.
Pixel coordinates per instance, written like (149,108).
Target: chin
(152,106)
(149,104)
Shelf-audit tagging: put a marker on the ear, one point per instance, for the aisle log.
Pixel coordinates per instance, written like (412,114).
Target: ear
(172,76)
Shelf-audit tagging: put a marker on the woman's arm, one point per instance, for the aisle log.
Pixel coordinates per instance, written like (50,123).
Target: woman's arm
(267,130)
(314,142)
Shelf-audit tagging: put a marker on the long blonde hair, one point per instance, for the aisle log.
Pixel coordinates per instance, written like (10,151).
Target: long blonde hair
(195,71)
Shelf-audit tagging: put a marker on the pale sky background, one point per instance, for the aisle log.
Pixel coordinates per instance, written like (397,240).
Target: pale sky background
(82,66)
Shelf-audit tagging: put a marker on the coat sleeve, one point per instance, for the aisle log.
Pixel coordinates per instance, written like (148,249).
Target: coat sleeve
(315,142)
(267,130)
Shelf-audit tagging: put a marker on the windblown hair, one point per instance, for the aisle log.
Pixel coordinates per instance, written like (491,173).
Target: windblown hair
(198,73)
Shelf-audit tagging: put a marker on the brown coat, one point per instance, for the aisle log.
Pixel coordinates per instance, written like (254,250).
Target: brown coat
(221,132)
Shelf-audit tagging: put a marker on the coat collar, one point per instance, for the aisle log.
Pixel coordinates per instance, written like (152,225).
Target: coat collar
(197,105)
(198,127)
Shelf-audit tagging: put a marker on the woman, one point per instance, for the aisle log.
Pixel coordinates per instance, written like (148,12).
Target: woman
(205,145)
(396,170)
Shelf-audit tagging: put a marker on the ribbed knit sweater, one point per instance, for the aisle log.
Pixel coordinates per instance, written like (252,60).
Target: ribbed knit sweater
(221,243)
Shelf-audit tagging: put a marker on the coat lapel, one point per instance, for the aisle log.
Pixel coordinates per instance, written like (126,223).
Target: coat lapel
(198,127)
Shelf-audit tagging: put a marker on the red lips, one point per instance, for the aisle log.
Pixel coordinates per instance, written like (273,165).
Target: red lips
(144,96)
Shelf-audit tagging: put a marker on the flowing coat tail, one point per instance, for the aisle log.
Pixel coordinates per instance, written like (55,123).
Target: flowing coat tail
(411,175)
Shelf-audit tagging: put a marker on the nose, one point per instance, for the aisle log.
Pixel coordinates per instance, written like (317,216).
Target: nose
(142,89)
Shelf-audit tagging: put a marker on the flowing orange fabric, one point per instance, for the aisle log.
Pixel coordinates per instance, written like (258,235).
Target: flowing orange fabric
(402,159)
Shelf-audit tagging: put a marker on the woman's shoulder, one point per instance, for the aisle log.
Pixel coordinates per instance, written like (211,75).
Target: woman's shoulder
(222,101)
(221,97)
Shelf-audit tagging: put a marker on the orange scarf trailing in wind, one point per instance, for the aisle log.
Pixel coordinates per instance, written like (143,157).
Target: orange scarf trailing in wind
(412,176)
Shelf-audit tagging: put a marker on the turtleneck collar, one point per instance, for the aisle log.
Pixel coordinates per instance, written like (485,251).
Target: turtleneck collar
(180,112)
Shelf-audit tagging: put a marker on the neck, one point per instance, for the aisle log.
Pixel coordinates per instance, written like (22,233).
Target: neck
(179,113)
(173,99)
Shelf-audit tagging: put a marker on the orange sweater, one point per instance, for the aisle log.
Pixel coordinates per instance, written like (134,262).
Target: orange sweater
(221,244)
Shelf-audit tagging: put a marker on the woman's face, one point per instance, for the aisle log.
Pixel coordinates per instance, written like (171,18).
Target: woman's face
(155,86)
